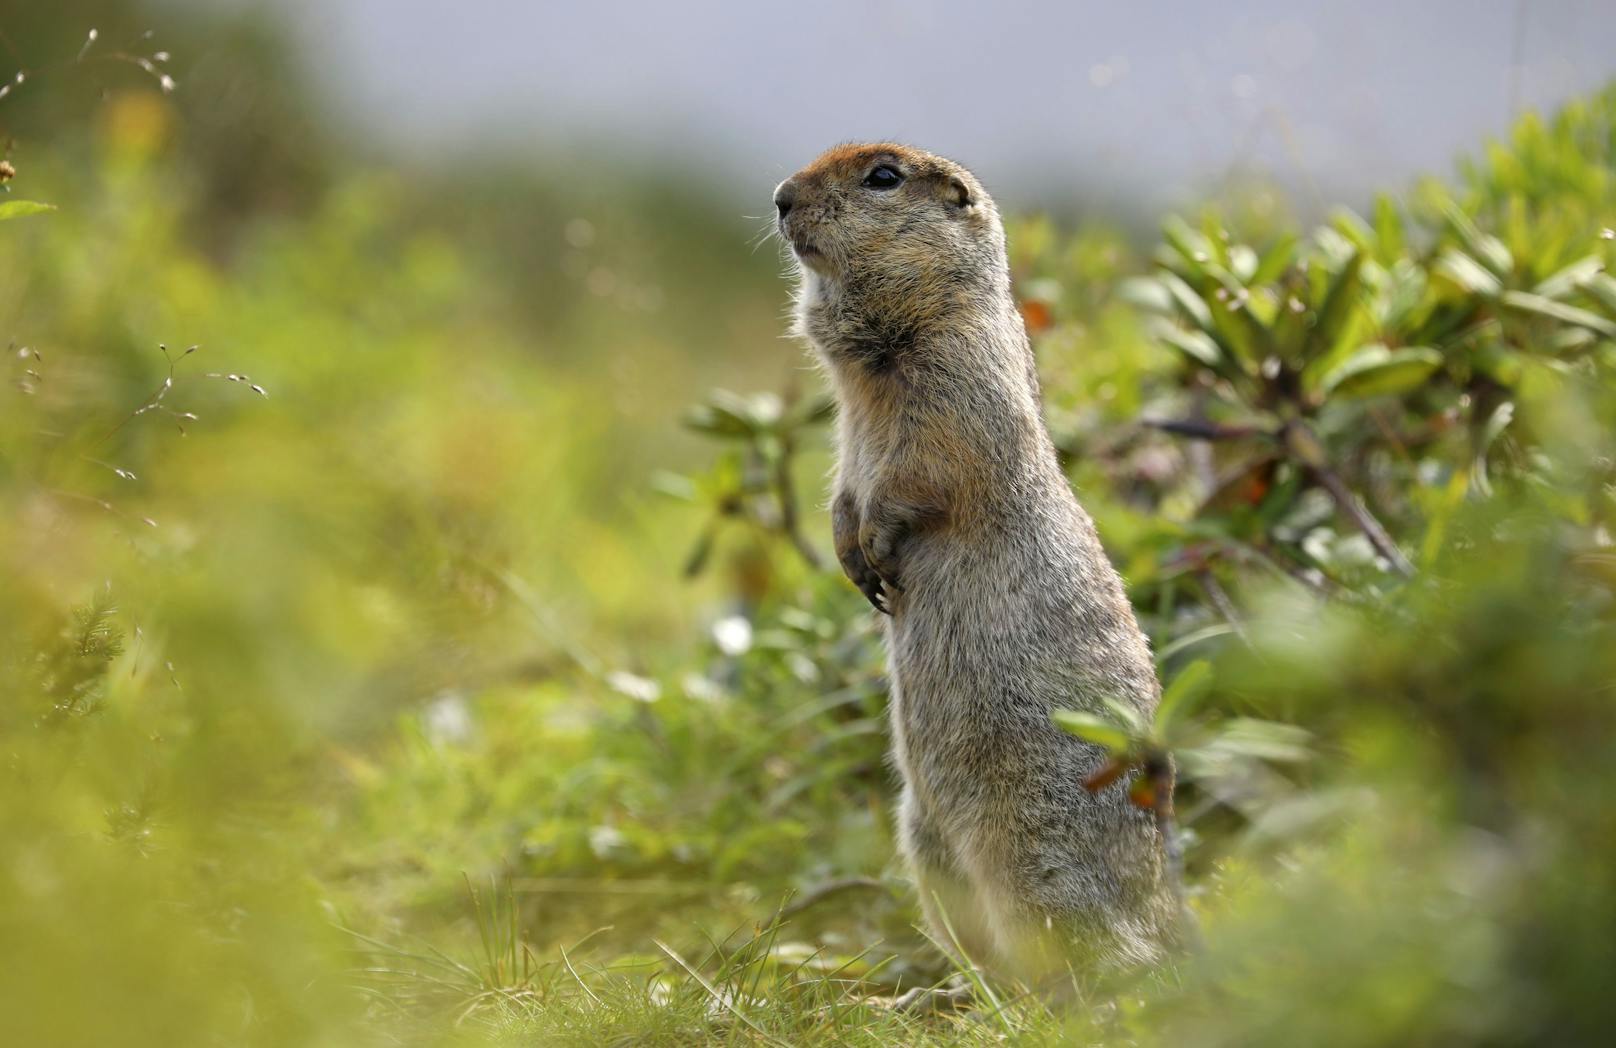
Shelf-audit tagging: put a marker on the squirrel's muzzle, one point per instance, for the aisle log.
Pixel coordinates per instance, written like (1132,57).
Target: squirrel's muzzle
(785,194)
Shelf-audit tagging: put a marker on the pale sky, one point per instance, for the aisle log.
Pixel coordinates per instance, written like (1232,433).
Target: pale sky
(1153,99)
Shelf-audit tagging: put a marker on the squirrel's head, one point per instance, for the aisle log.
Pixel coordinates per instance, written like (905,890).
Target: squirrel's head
(889,218)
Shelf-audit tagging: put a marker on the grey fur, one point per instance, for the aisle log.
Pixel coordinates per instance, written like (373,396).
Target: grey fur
(952,514)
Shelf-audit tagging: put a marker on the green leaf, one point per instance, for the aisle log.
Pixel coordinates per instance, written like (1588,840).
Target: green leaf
(1097,730)
(1188,640)
(1374,371)
(1338,303)
(1489,249)
(19,208)
(1263,740)
(1469,274)
(1603,288)
(1197,345)
(1498,362)
(1127,716)
(1187,687)
(1193,247)
(1292,817)
(1388,229)
(716,421)
(1275,261)
(674,485)
(1497,422)
(1351,225)
(727,414)
(1191,304)
(1146,293)
(1239,329)
(1571,340)
(1526,302)
(1405,290)
(702,551)
(1571,277)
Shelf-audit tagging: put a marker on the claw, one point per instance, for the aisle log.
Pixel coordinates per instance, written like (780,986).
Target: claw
(869,584)
(876,579)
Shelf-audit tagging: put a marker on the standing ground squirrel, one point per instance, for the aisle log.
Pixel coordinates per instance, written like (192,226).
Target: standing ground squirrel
(952,515)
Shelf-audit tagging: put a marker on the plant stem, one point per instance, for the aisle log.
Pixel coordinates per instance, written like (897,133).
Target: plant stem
(1203,430)
(1173,847)
(785,494)
(1307,450)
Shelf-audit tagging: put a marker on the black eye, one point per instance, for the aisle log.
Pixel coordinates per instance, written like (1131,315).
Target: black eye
(884,177)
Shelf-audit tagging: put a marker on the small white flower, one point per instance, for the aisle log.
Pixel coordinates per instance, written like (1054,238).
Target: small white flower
(641,689)
(603,840)
(448,720)
(701,688)
(733,635)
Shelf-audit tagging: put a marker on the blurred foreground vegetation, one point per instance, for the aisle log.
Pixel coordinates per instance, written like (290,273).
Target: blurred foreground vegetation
(406,664)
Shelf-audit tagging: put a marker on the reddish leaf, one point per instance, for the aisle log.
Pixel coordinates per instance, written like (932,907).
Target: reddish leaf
(1037,316)
(1143,793)
(1106,774)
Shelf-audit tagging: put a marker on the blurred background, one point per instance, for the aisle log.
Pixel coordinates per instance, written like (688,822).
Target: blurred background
(1081,106)
(415,615)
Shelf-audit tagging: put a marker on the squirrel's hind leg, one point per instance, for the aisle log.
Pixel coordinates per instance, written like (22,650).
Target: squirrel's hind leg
(954,915)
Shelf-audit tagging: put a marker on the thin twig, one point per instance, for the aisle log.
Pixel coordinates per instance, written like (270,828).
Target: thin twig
(1220,600)
(785,494)
(1204,430)
(1173,848)
(1372,529)
(1306,449)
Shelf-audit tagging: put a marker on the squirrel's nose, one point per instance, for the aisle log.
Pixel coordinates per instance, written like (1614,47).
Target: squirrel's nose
(785,194)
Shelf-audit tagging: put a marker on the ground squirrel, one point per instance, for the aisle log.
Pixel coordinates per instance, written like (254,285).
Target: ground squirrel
(954,518)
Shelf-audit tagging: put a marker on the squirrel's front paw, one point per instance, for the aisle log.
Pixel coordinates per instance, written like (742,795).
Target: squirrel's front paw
(867,579)
(880,542)
(870,576)
(884,535)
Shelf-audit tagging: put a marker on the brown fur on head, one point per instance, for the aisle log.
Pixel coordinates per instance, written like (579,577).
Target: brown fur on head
(843,219)
(893,243)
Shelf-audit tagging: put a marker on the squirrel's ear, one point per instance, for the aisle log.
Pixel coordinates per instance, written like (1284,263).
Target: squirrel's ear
(959,194)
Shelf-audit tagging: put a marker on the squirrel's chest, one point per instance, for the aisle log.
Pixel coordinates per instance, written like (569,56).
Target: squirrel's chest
(868,430)
(956,697)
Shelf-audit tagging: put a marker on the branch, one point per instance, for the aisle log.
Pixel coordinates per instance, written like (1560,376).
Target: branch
(1307,450)
(1160,770)
(1204,430)
(785,494)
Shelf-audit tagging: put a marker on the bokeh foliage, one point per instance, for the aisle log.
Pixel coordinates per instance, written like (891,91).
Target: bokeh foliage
(451,688)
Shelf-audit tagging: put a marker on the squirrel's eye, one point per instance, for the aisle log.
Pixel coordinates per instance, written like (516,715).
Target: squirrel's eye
(884,177)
